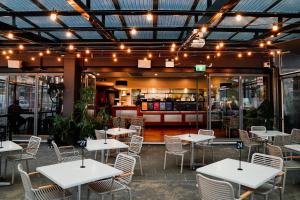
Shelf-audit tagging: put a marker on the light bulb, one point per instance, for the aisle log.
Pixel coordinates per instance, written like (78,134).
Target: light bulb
(203,29)
(68,34)
(122,46)
(261,44)
(114,55)
(240,55)
(115,59)
(10,35)
(269,42)
(207,57)
(86,60)
(128,50)
(185,55)
(218,54)
(87,51)
(58,59)
(41,54)
(238,17)
(133,31)
(10,51)
(149,17)
(221,44)
(150,55)
(249,53)
(21,47)
(32,58)
(53,16)
(48,51)
(78,55)
(275,27)
(71,47)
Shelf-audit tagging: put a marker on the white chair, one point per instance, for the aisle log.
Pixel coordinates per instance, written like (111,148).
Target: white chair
(210,189)
(135,147)
(100,135)
(46,192)
(28,153)
(174,147)
(124,163)
(248,142)
(259,128)
(65,153)
(278,182)
(138,130)
(206,144)
(295,136)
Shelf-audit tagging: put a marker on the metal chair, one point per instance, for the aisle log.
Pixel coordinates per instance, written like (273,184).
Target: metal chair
(248,142)
(119,122)
(210,189)
(206,144)
(65,153)
(28,153)
(295,136)
(174,147)
(259,128)
(281,141)
(124,163)
(46,192)
(135,147)
(278,182)
(100,135)
(138,121)
(138,130)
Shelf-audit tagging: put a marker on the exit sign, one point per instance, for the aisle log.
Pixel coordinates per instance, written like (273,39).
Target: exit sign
(200,68)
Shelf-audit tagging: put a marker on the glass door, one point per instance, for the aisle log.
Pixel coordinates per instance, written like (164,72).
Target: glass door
(224,106)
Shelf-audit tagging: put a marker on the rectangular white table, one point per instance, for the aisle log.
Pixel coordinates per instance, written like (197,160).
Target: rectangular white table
(70,174)
(194,138)
(252,175)
(294,147)
(99,145)
(119,131)
(269,134)
(7,146)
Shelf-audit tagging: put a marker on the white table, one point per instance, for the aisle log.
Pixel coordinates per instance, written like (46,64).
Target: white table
(7,146)
(119,131)
(70,174)
(99,145)
(268,134)
(252,175)
(194,138)
(294,147)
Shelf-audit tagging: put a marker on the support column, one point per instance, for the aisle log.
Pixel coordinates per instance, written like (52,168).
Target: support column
(71,84)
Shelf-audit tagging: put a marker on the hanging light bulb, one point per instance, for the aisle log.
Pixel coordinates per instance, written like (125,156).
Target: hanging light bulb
(208,57)
(278,52)
(269,42)
(275,27)
(122,46)
(48,51)
(221,44)
(58,59)
(238,17)
(133,31)
(249,53)
(10,51)
(68,34)
(114,55)
(261,44)
(271,53)
(240,55)
(7,57)
(185,55)
(128,50)
(203,29)
(176,58)
(115,59)
(3,52)
(149,55)
(149,16)
(86,60)
(71,47)
(41,54)
(10,35)
(173,45)
(172,49)
(21,47)
(78,55)
(145,58)
(218,54)
(217,47)
(53,16)
(32,58)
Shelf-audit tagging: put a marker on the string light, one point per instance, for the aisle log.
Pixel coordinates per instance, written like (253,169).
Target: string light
(133,31)
(275,27)
(78,55)
(176,58)
(249,53)
(185,55)
(10,35)
(278,52)
(98,74)
(48,51)
(7,57)
(217,47)
(155,74)
(269,42)
(172,49)
(32,58)
(87,51)
(173,45)
(71,47)
(261,44)
(271,53)
(115,59)
(3,52)
(10,51)
(86,60)
(58,59)
(41,54)
(149,55)
(122,46)
(238,17)
(149,16)
(221,44)
(240,55)
(208,57)
(128,50)
(218,54)
(68,34)
(21,47)
(53,16)
(114,55)
(203,29)
(145,58)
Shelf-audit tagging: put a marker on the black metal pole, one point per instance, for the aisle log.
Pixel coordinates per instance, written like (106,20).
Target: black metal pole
(82,159)
(240,161)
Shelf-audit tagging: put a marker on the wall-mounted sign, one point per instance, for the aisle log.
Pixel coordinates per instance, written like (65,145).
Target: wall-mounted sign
(200,68)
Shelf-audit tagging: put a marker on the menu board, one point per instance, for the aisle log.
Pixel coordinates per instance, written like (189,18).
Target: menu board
(162,105)
(169,106)
(144,106)
(156,105)
(150,106)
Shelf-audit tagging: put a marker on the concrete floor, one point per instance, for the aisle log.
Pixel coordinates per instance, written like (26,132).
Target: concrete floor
(155,183)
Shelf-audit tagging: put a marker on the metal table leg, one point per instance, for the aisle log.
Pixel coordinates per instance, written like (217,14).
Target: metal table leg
(79,192)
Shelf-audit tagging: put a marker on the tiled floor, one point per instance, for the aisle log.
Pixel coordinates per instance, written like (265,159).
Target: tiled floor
(155,184)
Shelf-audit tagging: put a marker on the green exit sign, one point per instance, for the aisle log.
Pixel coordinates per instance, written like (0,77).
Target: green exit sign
(200,68)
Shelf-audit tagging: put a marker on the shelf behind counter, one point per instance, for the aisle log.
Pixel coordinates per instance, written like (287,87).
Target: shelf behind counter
(161,118)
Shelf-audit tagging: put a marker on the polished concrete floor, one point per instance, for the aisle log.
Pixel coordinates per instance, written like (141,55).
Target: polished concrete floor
(156,183)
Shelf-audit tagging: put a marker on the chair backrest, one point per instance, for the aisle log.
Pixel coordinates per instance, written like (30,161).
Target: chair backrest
(173,143)
(33,145)
(206,132)
(295,136)
(274,150)
(244,137)
(57,151)
(126,164)
(26,183)
(267,160)
(282,140)
(100,134)
(210,189)
(138,129)
(136,144)
(119,122)
(258,128)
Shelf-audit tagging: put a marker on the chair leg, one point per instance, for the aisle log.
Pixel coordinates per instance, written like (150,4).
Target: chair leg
(141,168)
(212,154)
(165,160)
(107,155)
(182,158)
(13,172)
(249,152)
(129,193)
(88,194)
(27,166)
(266,197)
(5,167)
(203,155)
